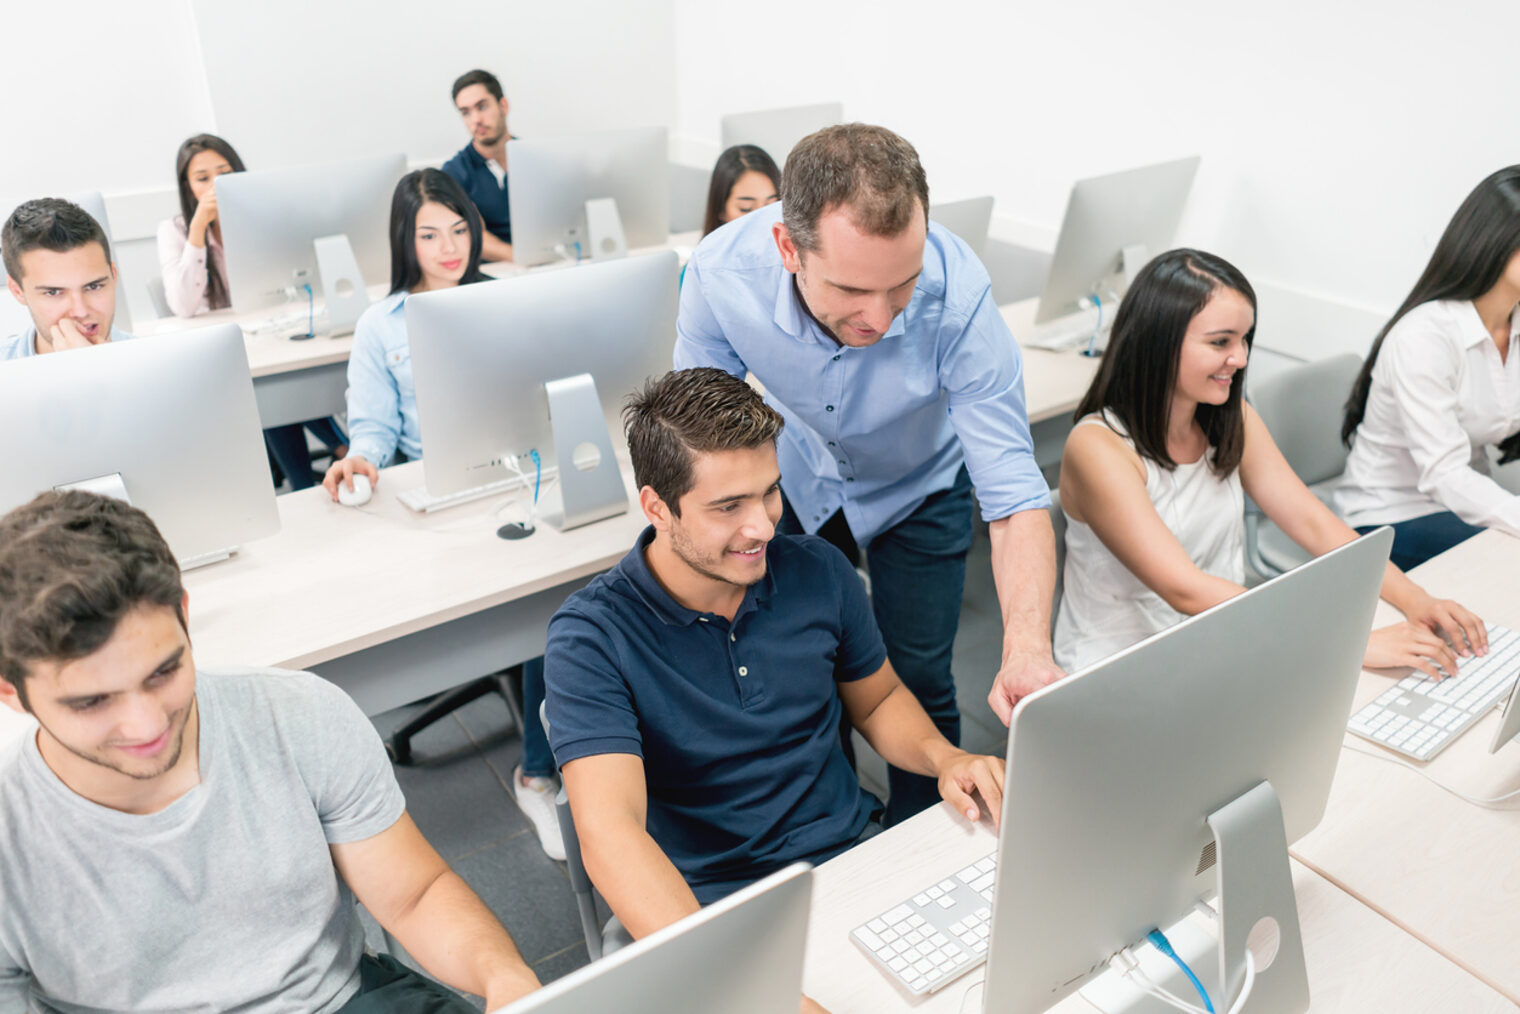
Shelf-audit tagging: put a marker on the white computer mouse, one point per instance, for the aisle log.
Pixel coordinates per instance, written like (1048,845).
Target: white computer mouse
(360,494)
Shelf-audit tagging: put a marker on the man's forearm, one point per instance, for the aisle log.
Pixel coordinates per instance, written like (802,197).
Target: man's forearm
(1024,571)
(458,941)
(638,881)
(903,734)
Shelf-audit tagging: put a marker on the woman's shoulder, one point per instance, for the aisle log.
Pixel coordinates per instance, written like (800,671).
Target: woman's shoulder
(172,228)
(383,323)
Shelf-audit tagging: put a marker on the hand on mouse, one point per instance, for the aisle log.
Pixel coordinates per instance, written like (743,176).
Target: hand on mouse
(342,472)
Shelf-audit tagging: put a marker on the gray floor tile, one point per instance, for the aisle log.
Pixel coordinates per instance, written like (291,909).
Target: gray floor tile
(460,804)
(562,963)
(529,893)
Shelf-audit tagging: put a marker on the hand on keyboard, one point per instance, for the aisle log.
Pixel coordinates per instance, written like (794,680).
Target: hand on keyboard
(1410,645)
(1451,620)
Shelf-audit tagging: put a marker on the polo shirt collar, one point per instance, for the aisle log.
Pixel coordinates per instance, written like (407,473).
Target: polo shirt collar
(793,318)
(635,566)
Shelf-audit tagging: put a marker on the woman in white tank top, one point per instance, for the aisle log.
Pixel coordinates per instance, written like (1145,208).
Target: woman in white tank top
(1154,475)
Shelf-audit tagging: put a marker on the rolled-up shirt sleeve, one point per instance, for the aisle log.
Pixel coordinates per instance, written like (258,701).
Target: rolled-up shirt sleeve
(374,403)
(699,336)
(184,270)
(1425,378)
(981,370)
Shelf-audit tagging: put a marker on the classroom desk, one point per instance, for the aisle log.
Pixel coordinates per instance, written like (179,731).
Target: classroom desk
(1054,382)
(1444,869)
(1357,961)
(394,606)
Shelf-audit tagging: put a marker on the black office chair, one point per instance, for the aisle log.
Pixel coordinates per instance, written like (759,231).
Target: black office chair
(507,683)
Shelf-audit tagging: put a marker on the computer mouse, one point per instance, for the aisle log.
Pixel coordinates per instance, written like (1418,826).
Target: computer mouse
(359,495)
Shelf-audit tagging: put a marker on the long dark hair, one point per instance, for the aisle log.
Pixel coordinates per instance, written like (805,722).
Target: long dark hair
(732,164)
(216,285)
(1139,368)
(1468,260)
(413,191)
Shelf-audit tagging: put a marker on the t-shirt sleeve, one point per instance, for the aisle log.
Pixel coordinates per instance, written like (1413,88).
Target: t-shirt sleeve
(590,706)
(861,649)
(346,769)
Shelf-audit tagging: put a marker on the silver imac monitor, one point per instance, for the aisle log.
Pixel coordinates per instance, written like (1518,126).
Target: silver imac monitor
(553,178)
(168,423)
(741,955)
(969,219)
(779,130)
(1113,225)
(1176,770)
(14,317)
(540,362)
(272,218)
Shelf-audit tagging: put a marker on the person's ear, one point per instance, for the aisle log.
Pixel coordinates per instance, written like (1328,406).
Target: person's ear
(15,287)
(791,257)
(11,698)
(655,509)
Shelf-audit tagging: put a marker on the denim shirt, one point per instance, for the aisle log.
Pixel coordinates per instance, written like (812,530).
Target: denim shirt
(24,344)
(870,431)
(382,403)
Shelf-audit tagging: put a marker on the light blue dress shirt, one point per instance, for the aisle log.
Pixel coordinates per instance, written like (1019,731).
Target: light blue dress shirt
(875,430)
(382,403)
(20,346)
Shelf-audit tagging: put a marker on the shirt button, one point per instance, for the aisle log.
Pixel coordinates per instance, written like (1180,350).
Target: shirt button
(850,479)
(732,636)
(831,443)
(828,408)
(743,670)
(836,359)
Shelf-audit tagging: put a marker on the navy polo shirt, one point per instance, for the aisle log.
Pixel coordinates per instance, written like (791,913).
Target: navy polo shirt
(469,169)
(737,723)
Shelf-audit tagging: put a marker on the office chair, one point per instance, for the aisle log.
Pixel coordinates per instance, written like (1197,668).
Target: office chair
(507,683)
(1058,524)
(157,298)
(1302,409)
(600,940)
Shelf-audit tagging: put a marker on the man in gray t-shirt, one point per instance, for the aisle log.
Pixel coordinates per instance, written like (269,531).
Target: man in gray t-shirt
(175,840)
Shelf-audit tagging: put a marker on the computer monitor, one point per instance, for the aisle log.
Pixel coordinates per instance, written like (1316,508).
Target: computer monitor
(1177,769)
(779,130)
(1113,225)
(272,218)
(14,317)
(741,955)
(168,422)
(494,361)
(553,178)
(969,219)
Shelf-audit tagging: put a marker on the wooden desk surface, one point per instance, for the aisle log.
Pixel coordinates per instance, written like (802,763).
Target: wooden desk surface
(1054,382)
(1444,869)
(337,579)
(1357,961)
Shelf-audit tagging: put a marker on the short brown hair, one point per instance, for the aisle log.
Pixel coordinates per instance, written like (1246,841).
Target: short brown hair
(72,564)
(869,170)
(687,412)
(48,223)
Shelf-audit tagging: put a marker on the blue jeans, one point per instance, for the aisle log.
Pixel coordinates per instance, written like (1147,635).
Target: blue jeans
(918,575)
(537,758)
(287,446)
(1418,539)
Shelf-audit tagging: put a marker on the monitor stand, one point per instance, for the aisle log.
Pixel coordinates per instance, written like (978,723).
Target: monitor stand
(604,229)
(593,491)
(342,283)
(1255,888)
(1131,259)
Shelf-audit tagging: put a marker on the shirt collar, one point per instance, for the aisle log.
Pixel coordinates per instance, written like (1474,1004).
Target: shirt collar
(793,317)
(635,566)
(392,302)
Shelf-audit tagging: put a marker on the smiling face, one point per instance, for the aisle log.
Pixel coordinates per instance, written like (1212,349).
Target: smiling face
(855,283)
(204,168)
(442,238)
(78,284)
(728,516)
(1214,348)
(484,115)
(752,190)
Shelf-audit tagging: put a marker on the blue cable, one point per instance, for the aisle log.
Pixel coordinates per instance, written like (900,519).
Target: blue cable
(577,251)
(538,473)
(1092,341)
(1161,943)
(311,310)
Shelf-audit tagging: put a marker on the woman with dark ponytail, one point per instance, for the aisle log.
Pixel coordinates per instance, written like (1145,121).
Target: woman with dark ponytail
(1441,384)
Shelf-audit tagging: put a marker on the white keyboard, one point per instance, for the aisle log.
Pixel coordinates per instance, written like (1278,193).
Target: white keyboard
(1418,716)
(936,936)
(418,500)
(1069,331)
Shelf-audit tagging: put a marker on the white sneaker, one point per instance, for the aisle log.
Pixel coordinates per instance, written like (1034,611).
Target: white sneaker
(536,800)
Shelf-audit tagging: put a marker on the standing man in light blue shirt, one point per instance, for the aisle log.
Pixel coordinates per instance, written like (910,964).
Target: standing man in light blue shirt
(875,334)
(58,265)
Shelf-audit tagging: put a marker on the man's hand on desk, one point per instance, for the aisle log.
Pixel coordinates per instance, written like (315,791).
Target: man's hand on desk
(1021,675)
(1455,622)
(967,773)
(1410,645)
(344,471)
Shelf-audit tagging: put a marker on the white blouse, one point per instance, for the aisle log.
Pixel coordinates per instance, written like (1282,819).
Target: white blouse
(1440,395)
(184,269)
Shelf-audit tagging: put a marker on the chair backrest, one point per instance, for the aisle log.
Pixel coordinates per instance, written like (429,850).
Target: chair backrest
(157,299)
(1058,524)
(1302,409)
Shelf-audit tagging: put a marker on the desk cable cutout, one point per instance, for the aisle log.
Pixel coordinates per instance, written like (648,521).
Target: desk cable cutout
(1493,803)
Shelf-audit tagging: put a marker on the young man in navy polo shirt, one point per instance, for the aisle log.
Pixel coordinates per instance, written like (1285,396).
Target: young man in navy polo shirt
(481,166)
(696,689)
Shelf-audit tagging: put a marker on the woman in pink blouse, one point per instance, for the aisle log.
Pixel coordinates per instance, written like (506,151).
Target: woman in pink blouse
(190,244)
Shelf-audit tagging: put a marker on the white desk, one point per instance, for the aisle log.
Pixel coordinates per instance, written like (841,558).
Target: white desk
(1357,961)
(1442,868)
(391,605)
(1054,382)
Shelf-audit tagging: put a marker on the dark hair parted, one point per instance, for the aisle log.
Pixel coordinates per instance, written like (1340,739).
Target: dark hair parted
(1139,369)
(216,285)
(414,190)
(687,412)
(868,170)
(48,223)
(72,564)
(732,164)
(1468,260)
(477,77)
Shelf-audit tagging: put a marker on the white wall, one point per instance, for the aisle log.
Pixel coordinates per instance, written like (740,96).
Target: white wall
(1337,138)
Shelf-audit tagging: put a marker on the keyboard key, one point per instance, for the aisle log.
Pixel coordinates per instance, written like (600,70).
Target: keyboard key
(915,920)
(918,984)
(980,947)
(915,938)
(897,964)
(987,865)
(939,940)
(924,949)
(946,885)
(920,900)
(898,914)
(871,940)
(958,927)
(901,946)
(876,926)
(984,914)
(968,874)
(946,902)
(934,892)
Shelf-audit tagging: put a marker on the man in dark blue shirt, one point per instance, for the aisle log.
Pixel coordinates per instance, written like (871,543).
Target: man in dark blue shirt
(481,166)
(695,690)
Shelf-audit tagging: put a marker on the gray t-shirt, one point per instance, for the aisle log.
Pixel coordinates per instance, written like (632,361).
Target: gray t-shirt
(227,899)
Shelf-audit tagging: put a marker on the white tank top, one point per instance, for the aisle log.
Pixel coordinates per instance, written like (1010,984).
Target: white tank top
(1104,607)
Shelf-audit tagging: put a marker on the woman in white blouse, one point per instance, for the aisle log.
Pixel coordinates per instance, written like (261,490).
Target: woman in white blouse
(1441,384)
(190,244)
(1155,471)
